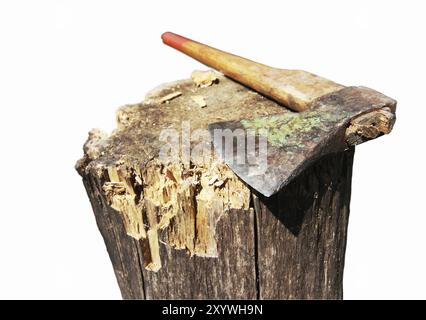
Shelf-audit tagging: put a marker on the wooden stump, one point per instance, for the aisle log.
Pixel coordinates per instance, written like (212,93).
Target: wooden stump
(177,231)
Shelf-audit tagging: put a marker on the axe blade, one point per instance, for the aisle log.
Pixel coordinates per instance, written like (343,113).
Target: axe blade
(294,140)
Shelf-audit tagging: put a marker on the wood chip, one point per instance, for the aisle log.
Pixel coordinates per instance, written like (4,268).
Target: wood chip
(204,78)
(170,96)
(213,179)
(219,183)
(199,100)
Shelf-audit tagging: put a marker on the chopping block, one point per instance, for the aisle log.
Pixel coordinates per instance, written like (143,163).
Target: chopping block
(189,229)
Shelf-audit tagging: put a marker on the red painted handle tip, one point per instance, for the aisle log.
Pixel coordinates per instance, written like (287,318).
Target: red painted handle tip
(173,40)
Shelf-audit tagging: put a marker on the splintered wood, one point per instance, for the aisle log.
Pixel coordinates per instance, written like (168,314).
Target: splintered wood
(161,203)
(370,126)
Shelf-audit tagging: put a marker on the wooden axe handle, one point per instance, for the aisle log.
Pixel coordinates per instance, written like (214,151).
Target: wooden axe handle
(296,89)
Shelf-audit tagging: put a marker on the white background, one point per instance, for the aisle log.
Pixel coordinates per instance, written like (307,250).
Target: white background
(65,66)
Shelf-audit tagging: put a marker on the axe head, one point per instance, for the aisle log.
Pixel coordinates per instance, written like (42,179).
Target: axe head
(268,152)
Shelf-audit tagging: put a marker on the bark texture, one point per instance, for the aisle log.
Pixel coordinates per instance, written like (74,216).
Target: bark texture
(301,233)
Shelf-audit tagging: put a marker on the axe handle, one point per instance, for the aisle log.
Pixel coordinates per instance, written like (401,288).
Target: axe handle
(296,89)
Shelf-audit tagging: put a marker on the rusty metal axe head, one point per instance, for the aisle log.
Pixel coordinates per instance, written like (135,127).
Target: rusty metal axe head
(330,117)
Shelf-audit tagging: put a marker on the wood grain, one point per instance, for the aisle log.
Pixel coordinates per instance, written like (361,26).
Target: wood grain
(302,233)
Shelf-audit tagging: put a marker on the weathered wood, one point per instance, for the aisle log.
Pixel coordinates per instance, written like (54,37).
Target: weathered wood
(122,249)
(231,275)
(370,126)
(302,233)
(294,250)
(193,231)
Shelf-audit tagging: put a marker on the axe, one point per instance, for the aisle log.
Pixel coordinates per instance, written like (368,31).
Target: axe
(327,117)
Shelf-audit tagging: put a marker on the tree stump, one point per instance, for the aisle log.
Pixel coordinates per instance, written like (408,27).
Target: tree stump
(189,231)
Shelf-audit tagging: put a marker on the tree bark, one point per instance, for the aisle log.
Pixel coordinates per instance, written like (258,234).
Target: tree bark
(301,233)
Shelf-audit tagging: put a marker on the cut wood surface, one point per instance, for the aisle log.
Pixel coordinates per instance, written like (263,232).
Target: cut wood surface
(197,231)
